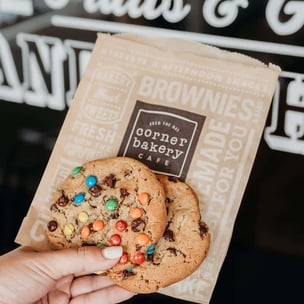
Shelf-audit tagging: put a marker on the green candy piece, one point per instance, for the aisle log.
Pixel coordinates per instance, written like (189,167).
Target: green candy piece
(101,245)
(111,204)
(76,170)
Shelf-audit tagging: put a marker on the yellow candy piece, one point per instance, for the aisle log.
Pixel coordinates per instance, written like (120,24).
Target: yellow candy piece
(68,229)
(83,217)
(101,272)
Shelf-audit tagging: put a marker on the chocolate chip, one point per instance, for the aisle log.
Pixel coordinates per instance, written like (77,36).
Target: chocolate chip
(203,229)
(172,250)
(62,201)
(138,247)
(124,193)
(169,235)
(114,215)
(138,225)
(87,244)
(173,179)
(127,273)
(128,173)
(95,191)
(52,225)
(150,257)
(110,181)
(168,200)
(54,208)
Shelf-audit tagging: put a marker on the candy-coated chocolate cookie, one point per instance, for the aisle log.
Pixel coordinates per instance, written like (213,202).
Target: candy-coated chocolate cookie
(178,253)
(109,202)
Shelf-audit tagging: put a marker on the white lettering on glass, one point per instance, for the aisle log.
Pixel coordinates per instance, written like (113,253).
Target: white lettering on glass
(286,132)
(294,9)
(10,87)
(170,10)
(222,14)
(42,59)
(78,53)
(17,7)
(56,4)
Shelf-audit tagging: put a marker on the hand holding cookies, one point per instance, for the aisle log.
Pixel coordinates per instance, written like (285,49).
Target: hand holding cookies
(62,276)
(118,228)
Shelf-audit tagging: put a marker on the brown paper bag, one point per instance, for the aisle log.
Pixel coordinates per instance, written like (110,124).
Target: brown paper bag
(185,109)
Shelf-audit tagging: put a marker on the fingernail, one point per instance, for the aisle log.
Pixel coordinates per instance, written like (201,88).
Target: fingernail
(113,252)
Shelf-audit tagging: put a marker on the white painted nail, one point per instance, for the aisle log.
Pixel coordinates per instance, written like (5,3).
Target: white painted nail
(113,252)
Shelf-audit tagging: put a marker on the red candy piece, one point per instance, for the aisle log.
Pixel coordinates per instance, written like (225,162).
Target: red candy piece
(124,258)
(139,258)
(121,225)
(115,239)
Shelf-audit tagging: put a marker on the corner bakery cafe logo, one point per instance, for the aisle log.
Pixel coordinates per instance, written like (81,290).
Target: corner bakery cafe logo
(163,138)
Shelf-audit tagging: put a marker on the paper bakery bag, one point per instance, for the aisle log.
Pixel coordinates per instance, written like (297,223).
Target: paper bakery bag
(185,109)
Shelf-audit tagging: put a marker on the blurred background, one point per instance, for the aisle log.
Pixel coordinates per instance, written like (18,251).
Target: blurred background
(44,47)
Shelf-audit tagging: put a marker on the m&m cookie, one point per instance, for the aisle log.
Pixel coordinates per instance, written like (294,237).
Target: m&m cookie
(180,251)
(109,202)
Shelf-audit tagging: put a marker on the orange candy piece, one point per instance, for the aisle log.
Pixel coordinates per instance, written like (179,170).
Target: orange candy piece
(142,239)
(85,232)
(98,225)
(144,198)
(136,212)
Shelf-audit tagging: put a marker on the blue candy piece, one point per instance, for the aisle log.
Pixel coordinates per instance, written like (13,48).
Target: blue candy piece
(91,181)
(151,249)
(78,198)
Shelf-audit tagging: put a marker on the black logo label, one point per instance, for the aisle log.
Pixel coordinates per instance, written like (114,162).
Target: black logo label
(163,138)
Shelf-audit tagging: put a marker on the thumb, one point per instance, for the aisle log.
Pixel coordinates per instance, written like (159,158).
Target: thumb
(80,261)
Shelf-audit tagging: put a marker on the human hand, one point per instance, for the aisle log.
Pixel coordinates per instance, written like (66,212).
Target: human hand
(59,277)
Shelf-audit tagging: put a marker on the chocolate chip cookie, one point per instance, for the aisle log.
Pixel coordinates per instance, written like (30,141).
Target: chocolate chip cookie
(109,202)
(180,251)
